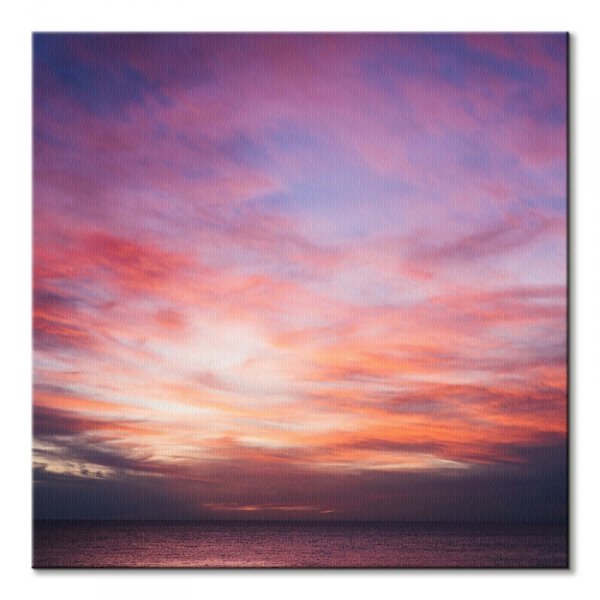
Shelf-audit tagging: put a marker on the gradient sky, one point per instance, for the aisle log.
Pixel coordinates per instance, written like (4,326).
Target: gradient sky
(300,276)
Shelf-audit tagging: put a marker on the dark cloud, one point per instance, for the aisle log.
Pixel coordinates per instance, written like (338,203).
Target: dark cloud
(532,489)
(49,422)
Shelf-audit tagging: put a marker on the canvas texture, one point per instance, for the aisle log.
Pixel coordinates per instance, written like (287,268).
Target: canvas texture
(300,300)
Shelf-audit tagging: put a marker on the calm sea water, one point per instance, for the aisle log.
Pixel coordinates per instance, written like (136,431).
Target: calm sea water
(253,544)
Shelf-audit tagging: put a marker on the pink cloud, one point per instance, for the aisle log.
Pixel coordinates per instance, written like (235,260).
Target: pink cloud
(265,260)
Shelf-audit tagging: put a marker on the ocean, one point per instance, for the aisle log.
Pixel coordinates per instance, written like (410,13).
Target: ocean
(237,544)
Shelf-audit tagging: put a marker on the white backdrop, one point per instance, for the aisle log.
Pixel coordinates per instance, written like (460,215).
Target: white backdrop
(19,20)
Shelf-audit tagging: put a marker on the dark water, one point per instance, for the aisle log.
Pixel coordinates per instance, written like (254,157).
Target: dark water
(253,544)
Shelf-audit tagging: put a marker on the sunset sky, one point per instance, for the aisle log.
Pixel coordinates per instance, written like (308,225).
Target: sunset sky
(300,277)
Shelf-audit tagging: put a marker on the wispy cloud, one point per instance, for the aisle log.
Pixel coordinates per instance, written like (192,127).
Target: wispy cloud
(299,276)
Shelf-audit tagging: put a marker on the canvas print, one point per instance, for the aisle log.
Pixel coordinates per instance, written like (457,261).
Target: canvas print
(300,300)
